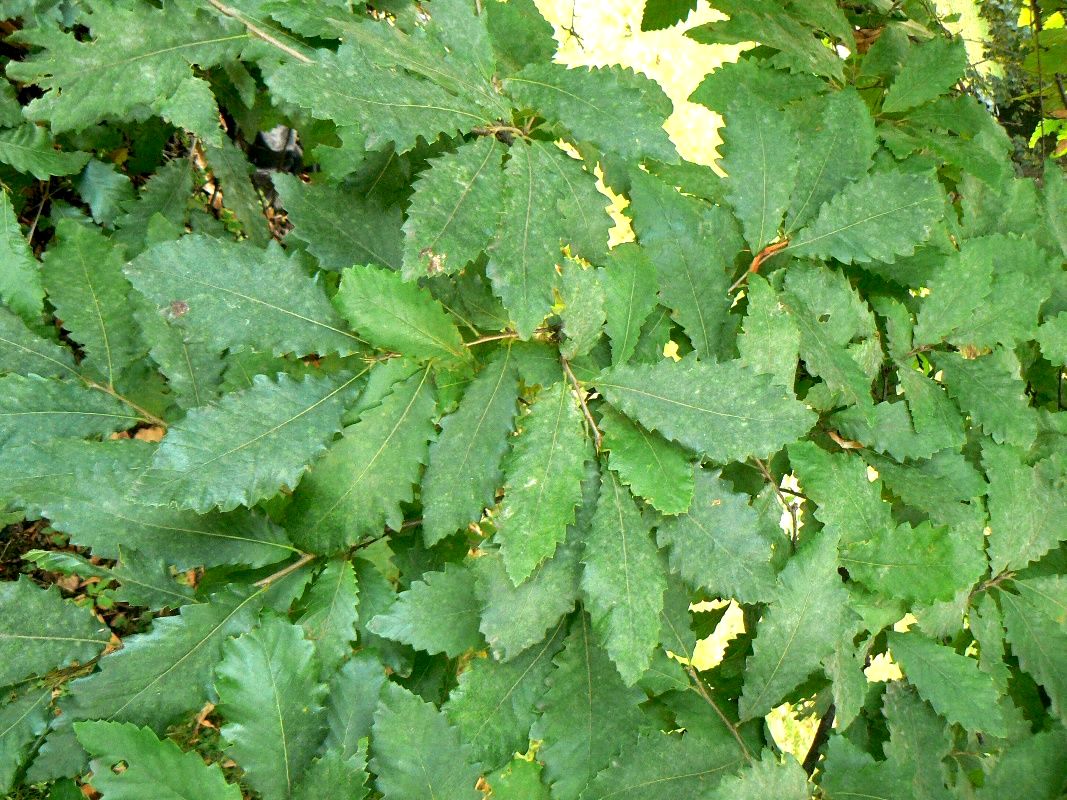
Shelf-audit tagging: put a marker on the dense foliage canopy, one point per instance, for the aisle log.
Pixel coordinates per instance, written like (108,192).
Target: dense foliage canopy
(353,462)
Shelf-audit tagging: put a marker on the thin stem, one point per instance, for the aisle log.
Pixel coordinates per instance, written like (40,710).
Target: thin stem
(146,415)
(496,337)
(817,741)
(597,436)
(305,558)
(699,686)
(1035,13)
(758,261)
(255,30)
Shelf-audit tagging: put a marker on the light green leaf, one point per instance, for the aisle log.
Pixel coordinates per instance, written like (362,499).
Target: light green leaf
(721,544)
(1035,623)
(203,285)
(692,247)
(589,714)
(417,754)
(799,629)
(154,767)
(724,411)
(464,467)
(930,69)
(681,766)
(923,564)
(549,201)
(29,148)
(340,226)
(583,312)
(629,282)
(656,470)
(919,741)
(770,341)
(83,277)
(395,315)
(330,613)
(24,352)
(438,613)
(521,779)
(877,218)
(247,446)
(453,212)
(764,779)
(1052,336)
(166,672)
(495,703)
(38,409)
(623,580)
(543,481)
(617,109)
(271,699)
(832,156)
(40,631)
(357,487)
(989,388)
(759,153)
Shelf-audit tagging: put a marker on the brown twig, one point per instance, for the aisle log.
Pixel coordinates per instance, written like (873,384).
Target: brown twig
(255,30)
(305,558)
(699,686)
(597,436)
(758,261)
(817,741)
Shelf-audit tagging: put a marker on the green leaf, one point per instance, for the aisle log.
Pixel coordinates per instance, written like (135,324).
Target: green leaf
(623,580)
(438,614)
(1035,622)
(629,282)
(395,315)
(330,614)
(549,201)
(350,703)
(835,154)
(105,189)
(464,467)
(247,446)
(153,767)
(617,109)
(956,292)
(194,371)
(515,618)
(721,544)
(759,153)
(660,14)
(923,564)
(521,779)
(919,741)
(24,352)
(766,778)
(88,79)
(453,212)
(543,481)
(163,198)
(83,277)
(417,754)
(989,388)
(29,148)
(770,341)
(166,672)
(1030,766)
(38,409)
(40,631)
(495,703)
(23,720)
(20,278)
(1052,336)
(877,218)
(692,247)
(519,34)
(339,226)
(583,314)
(329,772)
(357,487)
(656,470)
(589,714)
(203,284)
(951,683)
(683,766)
(232,174)
(271,699)
(723,411)
(799,629)
(930,69)
(89,491)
